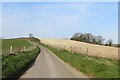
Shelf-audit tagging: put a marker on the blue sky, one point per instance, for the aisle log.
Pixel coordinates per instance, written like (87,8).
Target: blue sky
(60,19)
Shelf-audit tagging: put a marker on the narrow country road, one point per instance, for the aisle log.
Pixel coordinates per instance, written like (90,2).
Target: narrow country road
(48,65)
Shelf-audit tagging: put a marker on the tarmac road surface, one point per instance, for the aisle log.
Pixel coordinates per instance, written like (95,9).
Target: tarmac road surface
(48,65)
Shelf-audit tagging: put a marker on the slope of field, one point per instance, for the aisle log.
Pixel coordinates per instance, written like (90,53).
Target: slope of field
(84,48)
(15,43)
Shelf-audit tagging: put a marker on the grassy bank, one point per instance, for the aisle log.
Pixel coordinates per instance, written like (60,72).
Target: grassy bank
(91,66)
(14,65)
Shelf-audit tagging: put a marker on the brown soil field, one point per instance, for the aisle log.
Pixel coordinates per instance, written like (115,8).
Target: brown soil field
(83,48)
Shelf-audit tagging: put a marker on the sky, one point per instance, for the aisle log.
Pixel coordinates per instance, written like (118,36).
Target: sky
(60,0)
(60,19)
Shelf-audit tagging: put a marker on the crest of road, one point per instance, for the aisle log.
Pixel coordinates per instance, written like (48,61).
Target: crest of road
(48,65)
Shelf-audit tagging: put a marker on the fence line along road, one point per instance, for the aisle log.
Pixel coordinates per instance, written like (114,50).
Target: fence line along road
(14,50)
(84,48)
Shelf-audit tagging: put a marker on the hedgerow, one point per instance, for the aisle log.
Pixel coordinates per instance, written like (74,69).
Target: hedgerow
(14,65)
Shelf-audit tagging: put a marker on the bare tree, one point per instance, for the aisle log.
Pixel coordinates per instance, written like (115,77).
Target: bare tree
(76,36)
(109,42)
(88,37)
(94,39)
(99,39)
(31,35)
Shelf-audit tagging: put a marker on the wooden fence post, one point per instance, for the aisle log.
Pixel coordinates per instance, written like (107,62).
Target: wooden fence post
(80,49)
(87,50)
(19,48)
(75,50)
(70,49)
(64,48)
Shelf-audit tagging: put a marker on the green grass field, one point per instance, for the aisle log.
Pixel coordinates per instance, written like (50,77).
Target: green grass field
(92,66)
(15,43)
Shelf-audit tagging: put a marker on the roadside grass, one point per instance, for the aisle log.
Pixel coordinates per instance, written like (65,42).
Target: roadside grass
(6,43)
(0,67)
(0,51)
(14,65)
(91,66)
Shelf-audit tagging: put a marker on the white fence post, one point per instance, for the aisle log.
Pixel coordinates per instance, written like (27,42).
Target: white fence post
(11,49)
(24,48)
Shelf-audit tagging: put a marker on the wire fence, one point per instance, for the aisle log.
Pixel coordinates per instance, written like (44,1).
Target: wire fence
(84,48)
(15,50)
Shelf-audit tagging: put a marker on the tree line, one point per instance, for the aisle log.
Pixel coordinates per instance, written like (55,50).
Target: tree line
(90,38)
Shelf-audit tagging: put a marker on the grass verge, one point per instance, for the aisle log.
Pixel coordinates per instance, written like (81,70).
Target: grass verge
(14,65)
(89,65)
